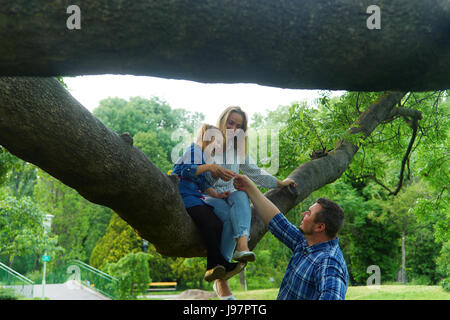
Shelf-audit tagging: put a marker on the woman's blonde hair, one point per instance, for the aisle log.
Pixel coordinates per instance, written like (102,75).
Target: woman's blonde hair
(222,122)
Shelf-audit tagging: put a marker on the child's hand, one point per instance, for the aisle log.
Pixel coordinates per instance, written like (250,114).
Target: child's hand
(223,195)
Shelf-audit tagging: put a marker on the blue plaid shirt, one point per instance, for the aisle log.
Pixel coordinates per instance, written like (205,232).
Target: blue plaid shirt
(316,272)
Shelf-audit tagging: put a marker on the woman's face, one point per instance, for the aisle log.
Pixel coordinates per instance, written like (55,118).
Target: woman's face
(234,121)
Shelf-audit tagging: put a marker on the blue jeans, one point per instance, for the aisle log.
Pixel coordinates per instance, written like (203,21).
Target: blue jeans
(236,216)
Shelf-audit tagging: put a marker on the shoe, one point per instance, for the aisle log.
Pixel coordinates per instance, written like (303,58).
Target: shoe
(225,297)
(239,267)
(244,256)
(218,272)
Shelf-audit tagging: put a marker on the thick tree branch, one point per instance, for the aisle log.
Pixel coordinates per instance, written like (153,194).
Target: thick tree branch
(42,123)
(313,175)
(291,44)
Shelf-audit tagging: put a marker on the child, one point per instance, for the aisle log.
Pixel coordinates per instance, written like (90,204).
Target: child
(192,169)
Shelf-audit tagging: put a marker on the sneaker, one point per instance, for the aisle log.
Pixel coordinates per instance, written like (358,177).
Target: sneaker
(239,267)
(244,256)
(218,272)
(225,297)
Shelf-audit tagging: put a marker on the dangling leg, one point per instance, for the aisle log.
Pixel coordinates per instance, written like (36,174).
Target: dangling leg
(241,215)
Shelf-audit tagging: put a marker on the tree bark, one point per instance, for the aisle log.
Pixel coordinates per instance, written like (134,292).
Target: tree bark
(291,44)
(40,122)
(403,258)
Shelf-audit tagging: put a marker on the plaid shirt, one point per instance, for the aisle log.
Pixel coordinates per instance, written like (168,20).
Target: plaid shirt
(316,272)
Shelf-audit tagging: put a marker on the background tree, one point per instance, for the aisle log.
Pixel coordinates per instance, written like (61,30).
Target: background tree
(133,274)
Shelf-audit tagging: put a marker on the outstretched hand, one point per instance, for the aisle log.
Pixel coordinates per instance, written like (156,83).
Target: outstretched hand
(241,182)
(218,172)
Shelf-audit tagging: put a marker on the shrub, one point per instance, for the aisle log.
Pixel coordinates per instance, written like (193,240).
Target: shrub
(8,294)
(133,274)
(445,283)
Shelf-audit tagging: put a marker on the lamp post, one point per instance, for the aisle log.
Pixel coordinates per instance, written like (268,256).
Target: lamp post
(47,227)
(145,245)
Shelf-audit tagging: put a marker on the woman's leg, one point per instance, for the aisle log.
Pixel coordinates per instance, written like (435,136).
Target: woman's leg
(222,210)
(240,216)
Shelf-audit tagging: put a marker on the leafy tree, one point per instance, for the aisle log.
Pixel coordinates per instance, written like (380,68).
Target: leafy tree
(21,228)
(22,178)
(77,222)
(118,241)
(133,274)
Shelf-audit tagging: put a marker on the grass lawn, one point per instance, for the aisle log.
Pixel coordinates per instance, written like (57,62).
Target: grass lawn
(383,292)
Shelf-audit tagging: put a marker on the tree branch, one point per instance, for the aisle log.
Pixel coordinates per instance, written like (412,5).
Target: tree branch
(307,44)
(42,123)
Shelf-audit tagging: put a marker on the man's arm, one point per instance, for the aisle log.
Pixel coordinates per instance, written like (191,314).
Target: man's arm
(332,284)
(264,207)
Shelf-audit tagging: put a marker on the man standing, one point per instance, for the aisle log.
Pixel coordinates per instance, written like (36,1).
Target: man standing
(317,270)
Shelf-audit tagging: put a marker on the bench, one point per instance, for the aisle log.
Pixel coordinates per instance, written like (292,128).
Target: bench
(162,286)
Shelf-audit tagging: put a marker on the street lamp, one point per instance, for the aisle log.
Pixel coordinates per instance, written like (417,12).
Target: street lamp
(47,227)
(145,245)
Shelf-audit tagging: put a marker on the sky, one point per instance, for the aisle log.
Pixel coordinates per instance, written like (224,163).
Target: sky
(209,99)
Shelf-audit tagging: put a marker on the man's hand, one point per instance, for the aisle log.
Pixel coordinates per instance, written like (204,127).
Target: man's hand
(242,183)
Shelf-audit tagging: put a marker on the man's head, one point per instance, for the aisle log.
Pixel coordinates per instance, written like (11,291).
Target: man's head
(324,217)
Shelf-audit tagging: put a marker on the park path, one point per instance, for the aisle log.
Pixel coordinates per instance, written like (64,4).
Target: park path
(67,291)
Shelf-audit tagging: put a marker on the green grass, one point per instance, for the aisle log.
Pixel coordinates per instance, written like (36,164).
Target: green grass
(397,292)
(384,292)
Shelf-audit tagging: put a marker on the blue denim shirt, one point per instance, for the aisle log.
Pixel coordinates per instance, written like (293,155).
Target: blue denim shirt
(191,186)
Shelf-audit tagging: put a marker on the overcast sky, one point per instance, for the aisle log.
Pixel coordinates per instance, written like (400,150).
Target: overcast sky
(209,99)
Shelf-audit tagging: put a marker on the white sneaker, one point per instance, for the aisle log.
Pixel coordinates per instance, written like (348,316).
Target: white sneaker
(222,298)
(244,256)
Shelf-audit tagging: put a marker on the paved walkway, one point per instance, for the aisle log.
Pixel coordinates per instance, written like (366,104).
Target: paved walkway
(70,290)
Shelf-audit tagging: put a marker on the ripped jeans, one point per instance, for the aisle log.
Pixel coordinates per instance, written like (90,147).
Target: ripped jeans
(236,215)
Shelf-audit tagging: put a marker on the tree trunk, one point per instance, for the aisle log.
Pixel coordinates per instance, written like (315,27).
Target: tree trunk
(291,44)
(403,258)
(242,280)
(40,122)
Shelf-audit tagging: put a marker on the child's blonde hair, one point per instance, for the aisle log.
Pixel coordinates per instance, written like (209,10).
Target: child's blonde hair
(200,141)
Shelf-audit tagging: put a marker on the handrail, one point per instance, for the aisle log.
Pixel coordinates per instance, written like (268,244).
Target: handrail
(100,273)
(15,273)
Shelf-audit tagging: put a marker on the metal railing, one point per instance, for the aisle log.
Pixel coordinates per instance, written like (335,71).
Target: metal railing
(94,278)
(10,278)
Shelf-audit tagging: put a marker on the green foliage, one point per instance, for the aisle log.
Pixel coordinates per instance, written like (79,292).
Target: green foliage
(7,162)
(21,228)
(445,283)
(150,122)
(374,218)
(148,143)
(8,294)
(119,240)
(77,222)
(133,274)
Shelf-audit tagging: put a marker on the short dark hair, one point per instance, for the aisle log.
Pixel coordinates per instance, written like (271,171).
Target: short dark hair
(331,215)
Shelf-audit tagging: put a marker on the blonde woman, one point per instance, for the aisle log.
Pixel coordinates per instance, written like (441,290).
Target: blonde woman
(192,169)
(235,210)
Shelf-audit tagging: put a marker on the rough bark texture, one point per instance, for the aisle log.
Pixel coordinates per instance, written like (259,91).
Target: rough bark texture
(40,122)
(290,43)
